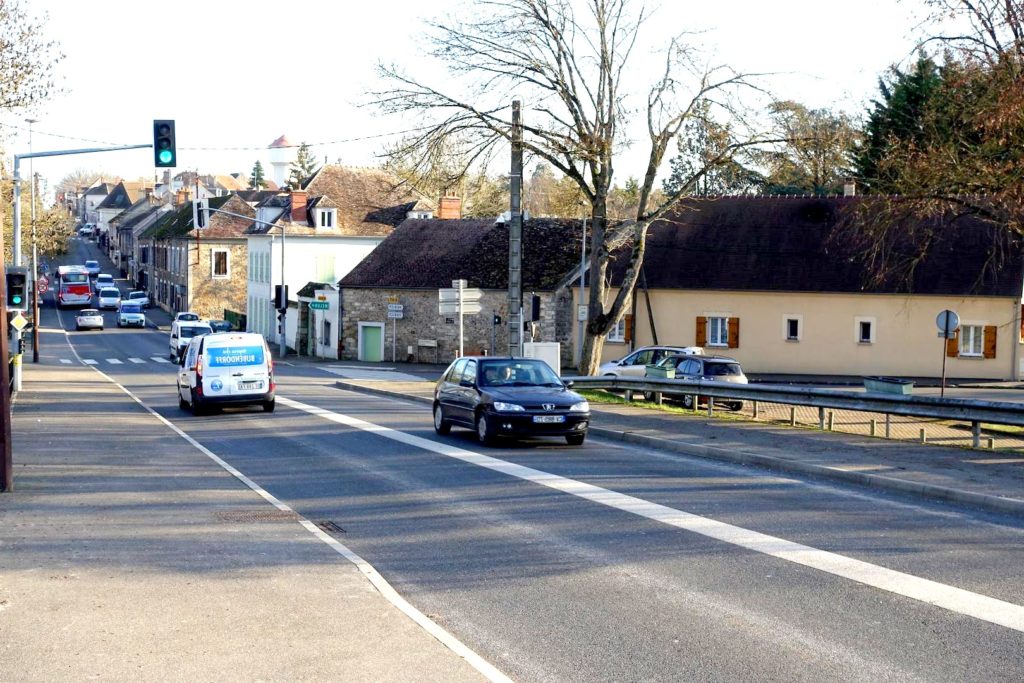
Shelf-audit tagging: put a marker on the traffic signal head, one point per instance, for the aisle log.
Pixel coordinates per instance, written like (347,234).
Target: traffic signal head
(17,288)
(164,153)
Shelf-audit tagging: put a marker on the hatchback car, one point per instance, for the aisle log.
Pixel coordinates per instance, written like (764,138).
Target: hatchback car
(109,297)
(633,365)
(139,297)
(93,267)
(508,397)
(89,319)
(103,280)
(707,368)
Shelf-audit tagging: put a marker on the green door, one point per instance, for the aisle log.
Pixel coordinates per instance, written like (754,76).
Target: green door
(370,344)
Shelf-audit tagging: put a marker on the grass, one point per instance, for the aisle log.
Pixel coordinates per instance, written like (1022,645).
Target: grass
(601,396)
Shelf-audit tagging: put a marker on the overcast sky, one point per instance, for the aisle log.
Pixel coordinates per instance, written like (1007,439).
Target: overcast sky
(235,76)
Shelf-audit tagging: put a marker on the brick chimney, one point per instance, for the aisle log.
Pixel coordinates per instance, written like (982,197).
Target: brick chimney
(449,207)
(298,198)
(181,197)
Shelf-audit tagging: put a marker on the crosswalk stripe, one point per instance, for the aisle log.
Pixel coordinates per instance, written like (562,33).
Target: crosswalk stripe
(114,361)
(158,359)
(136,360)
(89,361)
(65,361)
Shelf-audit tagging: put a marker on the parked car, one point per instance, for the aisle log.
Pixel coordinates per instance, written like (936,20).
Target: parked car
(225,369)
(220,325)
(130,315)
(139,297)
(103,280)
(182,332)
(633,365)
(186,315)
(707,368)
(508,397)
(89,319)
(93,267)
(85,231)
(109,297)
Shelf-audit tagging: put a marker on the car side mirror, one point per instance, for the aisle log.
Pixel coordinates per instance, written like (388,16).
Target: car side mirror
(568,383)
(181,360)
(466,383)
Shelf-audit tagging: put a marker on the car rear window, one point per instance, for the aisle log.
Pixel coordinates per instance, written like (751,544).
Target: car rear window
(88,311)
(241,354)
(188,332)
(722,369)
(130,308)
(109,291)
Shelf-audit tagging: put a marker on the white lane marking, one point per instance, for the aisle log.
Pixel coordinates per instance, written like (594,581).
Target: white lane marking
(136,360)
(115,361)
(65,361)
(941,595)
(88,361)
(488,670)
(158,359)
(380,375)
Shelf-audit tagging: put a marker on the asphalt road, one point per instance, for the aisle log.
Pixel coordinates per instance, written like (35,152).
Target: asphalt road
(611,562)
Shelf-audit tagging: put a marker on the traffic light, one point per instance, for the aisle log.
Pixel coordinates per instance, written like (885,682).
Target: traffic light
(497,319)
(17,288)
(281,297)
(164,153)
(535,308)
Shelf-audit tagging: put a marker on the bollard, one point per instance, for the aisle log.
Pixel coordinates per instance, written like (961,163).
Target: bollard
(924,436)
(975,434)
(792,416)
(831,420)
(711,406)
(821,419)
(991,444)
(657,398)
(629,395)
(887,416)
(874,428)
(755,410)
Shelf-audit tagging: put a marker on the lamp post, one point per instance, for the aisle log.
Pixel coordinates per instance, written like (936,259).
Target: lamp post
(35,266)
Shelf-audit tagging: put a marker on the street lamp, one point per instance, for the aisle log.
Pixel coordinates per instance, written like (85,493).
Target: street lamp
(35,265)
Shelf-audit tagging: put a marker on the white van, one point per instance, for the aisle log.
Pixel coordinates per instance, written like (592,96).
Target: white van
(226,368)
(182,332)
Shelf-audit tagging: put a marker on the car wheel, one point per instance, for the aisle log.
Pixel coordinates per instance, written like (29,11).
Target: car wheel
(484,433)
(575,439)
(78,328)
(736,405)
(268,406)
(648,395)
(441,425)
(197,407)
(171,357)
(688,401)
(182,405)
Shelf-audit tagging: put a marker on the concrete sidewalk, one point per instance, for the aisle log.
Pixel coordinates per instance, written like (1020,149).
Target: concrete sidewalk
(993,482)
(126,554)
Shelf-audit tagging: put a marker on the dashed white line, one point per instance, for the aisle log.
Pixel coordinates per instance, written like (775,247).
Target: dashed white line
(136,360)
(158,359)
(65,361)
(948,597)
(89,361)
(115,361)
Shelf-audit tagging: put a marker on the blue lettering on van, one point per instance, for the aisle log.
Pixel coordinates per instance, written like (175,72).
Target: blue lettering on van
(227,356)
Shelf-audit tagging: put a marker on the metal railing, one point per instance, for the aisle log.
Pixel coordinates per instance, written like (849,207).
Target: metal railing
(836,410)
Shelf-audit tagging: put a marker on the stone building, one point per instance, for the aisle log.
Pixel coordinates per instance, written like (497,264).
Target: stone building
(422,256)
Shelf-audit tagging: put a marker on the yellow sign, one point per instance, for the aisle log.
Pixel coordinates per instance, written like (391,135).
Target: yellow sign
(393,299)
(18,322)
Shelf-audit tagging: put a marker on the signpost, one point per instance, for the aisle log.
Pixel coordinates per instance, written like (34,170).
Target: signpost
(319,305)
(396,312)
(948,323)
(461,300)
(42,285)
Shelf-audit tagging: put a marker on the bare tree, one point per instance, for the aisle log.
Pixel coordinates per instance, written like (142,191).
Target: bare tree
(27,59)
(570,59)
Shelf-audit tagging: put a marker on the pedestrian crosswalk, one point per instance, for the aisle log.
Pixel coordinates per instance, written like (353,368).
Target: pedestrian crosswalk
(117,361)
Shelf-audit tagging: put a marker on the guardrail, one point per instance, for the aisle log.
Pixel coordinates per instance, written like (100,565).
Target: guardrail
(961,410)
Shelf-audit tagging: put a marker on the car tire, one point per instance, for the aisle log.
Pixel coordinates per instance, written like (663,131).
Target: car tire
(196,405)
(484,432)
(78,328)
(736,405)
(575,439)
(441,425)
(171,357)
(268,406)
(648,395)
(688,401)
(182,404)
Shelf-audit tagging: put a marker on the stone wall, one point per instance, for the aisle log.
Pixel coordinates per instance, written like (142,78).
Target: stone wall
(210,297)
(421,320)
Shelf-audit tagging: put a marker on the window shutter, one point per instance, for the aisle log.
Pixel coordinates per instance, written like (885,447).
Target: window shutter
(953,345)
(990,341)
(734,333)
(628,333)
(702,331)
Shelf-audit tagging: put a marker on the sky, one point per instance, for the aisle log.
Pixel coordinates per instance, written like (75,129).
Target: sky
(235,76)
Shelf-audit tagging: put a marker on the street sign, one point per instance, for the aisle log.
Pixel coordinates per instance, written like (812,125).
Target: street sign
(42,285)
(581,313)
(452,308)
(18,322)
(452,295)
(392,298)
(319,305)
(395,315)
(393,308)
(457,283)
(948,323)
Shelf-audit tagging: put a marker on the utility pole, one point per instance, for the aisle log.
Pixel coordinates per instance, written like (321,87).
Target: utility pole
(515,238)
(35,256)
(6,460)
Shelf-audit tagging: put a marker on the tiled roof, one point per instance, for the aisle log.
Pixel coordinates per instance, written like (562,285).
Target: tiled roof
(429,254)
(123,195)
(310,288)
(178,223)
(792,244)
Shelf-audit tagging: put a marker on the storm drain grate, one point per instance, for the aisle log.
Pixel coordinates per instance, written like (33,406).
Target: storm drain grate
(330,527)
(257,516)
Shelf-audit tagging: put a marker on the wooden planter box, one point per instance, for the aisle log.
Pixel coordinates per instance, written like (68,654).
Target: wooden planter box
(889,385)
(658,372)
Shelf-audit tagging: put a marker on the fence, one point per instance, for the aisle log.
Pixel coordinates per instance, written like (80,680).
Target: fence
(923,419)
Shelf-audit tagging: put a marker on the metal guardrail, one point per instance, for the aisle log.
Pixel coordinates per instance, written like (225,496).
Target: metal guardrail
(961,410)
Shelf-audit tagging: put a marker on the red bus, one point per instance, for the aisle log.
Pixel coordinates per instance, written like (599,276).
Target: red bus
(73,287)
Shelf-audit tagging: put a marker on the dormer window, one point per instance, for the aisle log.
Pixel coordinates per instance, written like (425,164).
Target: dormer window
(325,218)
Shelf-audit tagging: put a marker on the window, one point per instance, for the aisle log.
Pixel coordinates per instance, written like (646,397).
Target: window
(325,218)
(792,328)
(641,358)
(219,263)
(864,329)
(971,337)
(618,333)
(718,331)
(326,338)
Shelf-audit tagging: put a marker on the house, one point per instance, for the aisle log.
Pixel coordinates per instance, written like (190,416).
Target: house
(120,198)
(124,226)
(203,271)
(317,233)
(770,281)
(423,256)
(90,198)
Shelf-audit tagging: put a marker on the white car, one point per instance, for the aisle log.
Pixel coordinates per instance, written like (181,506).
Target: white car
(188,316)
(182,332)
(103,280)
(139,297)
(635,363)
(109,297)
(130,315)
(89,319)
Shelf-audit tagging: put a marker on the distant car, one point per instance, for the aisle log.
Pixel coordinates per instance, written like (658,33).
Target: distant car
(139,297)
(103,280)
(89,319)
(130,315)
(508,397)
(182,332)
(220,325)
(186,316)
(85,231)
(92,266)
(633,365)
(109,297)
(708,368)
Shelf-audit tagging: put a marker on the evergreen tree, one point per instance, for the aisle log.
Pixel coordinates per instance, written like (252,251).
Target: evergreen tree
(303,167)
(257,181)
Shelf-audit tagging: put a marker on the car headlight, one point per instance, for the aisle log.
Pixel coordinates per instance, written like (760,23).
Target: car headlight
(581,407)
(508,407)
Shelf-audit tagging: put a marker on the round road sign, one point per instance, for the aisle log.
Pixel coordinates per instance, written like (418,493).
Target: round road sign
(948,322)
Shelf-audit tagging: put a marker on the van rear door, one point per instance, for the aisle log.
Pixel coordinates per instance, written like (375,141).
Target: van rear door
(235,366)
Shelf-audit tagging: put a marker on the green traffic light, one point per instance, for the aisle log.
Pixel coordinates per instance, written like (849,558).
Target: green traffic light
(166,156)
(16,299)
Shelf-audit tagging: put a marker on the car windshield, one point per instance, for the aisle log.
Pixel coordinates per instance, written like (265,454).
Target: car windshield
(187,316)
(88,312)
(518,373)
(130,308)
(137,295)
(109,292)
(722,369)
(189,332)
(91,264)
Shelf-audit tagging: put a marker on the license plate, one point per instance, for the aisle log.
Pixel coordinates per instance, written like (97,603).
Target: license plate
(250,385)
(549,418)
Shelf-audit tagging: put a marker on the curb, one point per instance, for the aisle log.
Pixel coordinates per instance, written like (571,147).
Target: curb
(933,492)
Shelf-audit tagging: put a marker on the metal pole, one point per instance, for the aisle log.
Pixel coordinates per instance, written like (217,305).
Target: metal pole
(35,267)
(515,237)
(394,336)
(494,328)
(15,334)
(461,354)
(283,313)
(945,340)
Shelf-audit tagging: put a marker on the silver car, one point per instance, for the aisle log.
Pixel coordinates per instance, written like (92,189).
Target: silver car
(109,297)
(707,368)
(89,319)
(633,365)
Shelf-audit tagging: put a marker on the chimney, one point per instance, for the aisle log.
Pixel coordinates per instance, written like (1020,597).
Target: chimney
(167,178)
(449,208)
(181,197)
(849,188)
(298,198)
